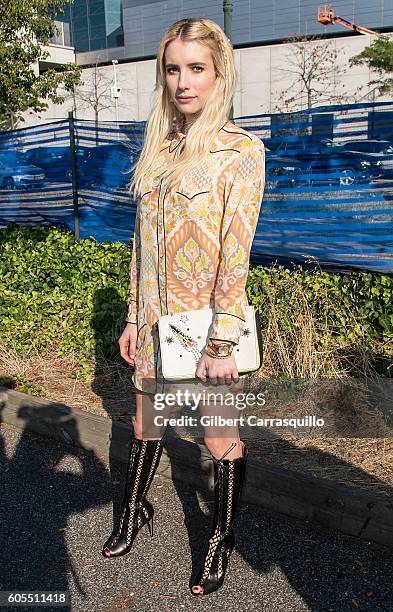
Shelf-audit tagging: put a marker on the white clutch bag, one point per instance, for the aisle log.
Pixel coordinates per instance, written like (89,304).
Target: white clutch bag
(183,336)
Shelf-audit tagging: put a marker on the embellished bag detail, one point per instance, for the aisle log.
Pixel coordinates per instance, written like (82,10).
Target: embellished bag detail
(183,336)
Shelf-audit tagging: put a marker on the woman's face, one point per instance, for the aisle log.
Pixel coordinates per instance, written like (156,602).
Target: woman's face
(190,76)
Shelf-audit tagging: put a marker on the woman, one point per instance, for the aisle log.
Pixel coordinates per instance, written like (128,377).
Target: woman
(199,188)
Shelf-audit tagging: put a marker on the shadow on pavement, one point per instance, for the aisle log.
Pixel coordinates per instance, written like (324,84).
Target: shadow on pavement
(37,501)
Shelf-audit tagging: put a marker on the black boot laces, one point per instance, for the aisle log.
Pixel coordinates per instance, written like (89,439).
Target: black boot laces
(218,535)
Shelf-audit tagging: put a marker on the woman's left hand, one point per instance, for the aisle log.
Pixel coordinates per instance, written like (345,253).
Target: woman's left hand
(223,371)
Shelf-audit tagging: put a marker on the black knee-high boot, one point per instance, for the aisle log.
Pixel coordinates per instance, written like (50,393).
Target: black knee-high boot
(137,511)
(228,483)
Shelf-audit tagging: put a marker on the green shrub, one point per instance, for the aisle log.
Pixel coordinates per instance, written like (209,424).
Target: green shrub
(71,295)
(56,292)
(349,305)
(322,324)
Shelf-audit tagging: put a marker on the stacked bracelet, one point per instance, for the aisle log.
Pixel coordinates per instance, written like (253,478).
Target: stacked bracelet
(216,356)
(131,322)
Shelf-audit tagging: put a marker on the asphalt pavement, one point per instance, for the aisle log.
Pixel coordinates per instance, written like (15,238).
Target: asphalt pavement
(56,511)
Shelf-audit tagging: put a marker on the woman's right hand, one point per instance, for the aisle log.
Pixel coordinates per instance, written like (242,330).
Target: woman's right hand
(127,343)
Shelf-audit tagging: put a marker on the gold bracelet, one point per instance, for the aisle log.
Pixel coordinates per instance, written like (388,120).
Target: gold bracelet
(216,356)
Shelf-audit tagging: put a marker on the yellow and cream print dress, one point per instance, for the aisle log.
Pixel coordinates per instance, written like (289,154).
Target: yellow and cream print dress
(192,243)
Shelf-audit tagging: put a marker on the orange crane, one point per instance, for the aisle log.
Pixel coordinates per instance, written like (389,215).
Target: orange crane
(326,16)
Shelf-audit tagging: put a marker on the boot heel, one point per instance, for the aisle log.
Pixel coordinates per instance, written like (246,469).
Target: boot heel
(150,526)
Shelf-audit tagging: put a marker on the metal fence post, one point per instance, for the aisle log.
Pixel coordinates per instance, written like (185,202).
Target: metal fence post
(74,176)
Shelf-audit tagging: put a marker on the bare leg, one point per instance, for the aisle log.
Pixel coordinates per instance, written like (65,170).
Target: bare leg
(218,446)
(144,427)
(219,438)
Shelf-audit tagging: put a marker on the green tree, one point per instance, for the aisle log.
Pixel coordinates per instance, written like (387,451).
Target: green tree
(379,57)
(26,27)
(315,74)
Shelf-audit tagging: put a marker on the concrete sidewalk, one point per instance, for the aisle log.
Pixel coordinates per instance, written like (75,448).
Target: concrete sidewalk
(56,511)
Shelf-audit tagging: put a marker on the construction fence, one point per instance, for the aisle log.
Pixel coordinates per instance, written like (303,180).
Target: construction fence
(328,195)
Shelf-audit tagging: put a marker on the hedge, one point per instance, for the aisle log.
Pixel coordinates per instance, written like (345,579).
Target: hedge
(71,295)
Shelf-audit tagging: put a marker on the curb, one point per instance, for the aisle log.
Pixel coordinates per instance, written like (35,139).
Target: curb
(320,502)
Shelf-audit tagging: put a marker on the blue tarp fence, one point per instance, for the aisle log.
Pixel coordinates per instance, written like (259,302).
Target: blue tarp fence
(328,197)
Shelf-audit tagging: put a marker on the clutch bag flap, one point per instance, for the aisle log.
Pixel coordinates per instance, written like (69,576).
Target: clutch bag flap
(183,335)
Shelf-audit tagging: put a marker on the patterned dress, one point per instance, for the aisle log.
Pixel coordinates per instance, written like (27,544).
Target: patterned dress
(192,243)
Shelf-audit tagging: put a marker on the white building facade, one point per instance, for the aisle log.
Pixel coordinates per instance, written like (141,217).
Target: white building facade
(96,32)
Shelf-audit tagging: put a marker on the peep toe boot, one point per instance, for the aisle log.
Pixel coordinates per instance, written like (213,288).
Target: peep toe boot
(229,478)
(137,511)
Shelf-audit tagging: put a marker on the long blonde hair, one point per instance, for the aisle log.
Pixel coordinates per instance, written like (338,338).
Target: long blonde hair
(163,112)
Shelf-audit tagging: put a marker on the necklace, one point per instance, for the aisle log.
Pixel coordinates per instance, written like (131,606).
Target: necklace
(183,127)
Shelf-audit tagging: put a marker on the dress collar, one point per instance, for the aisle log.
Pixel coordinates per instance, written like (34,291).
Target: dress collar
(174,139)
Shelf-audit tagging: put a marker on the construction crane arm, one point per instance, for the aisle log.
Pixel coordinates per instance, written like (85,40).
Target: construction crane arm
(326,16)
